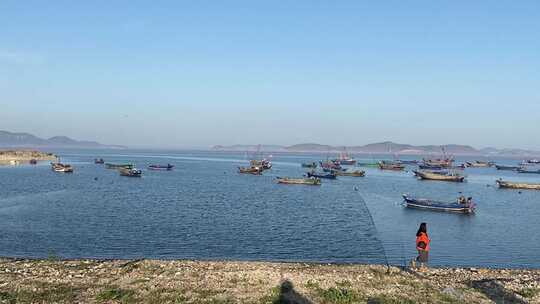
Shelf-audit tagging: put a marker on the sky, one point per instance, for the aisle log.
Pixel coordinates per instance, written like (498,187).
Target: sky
(193,74)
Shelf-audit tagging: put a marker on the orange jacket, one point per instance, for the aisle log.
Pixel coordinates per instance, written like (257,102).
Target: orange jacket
(422,238)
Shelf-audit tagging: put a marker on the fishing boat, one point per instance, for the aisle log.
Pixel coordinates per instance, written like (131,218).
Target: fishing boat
(99,161)
(330,175)
(524,170)
(250,170)
(33,161)
(508,168)
(364,164)
(14,162)
(426,166)
(408,162)
(394,166)
(514,185)
(119,166)
(309,165)
(479,164)
(167,167)
(264,163)
(59,167)
(439,177)
(334,170)
(357,173)
(130,172)
(427,204)
(345,159)
(299,181)
(533,161)
(329,164)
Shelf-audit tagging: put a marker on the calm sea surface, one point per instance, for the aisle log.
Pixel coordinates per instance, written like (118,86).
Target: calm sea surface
(204,209)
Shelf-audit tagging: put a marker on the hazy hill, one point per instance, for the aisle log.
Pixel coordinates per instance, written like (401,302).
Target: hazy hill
(10,139)
(383,148)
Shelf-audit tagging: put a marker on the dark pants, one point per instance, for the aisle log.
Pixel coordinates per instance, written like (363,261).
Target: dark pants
(423,256)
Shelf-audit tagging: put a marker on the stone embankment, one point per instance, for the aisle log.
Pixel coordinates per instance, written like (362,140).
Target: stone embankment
(153,281)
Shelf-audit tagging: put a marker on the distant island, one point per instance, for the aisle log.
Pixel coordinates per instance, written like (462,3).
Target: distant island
(25,140)
(386,147)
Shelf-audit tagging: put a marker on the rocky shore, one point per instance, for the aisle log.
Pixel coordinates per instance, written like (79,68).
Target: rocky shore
(7,156)
(181,281)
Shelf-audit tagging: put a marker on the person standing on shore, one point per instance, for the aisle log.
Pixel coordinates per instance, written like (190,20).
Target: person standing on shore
(422,246)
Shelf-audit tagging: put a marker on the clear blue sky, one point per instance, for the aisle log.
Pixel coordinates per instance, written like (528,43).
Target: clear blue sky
(199,73)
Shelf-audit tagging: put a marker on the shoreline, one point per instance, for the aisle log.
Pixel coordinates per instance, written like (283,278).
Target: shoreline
(7,156)
(192,281)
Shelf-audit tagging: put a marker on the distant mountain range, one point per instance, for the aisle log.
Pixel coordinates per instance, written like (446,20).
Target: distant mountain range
(383,148)
(10,139)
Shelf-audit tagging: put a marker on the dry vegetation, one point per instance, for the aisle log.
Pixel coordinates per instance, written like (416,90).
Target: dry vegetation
(151,281)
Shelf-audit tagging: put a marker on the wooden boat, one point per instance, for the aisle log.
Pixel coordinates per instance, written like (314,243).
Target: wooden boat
(357,173)
(299,181)
(524,170)
(309,165)
(329,164)
(167,167)
(408,162)
(118,166)
(394,166)
(479,164)
(250,170)
(330,175)
(59,167)
(504,167)
(432,205)
(130,172)
(99,161)
(33,161)
(439,177)
(264,164)
(513,185)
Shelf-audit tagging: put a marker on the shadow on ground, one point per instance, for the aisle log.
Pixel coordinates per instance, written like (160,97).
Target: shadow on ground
(495,291)
(287,295)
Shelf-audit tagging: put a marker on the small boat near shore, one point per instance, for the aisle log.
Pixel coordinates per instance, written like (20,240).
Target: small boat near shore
(33,161)
(439,177)
(312,165)
(59,167)
(427,204)
(167,167)
(132,172)
(330,175)
(514,185)
(250,170)
(393,166)
(99,161)
(507,168)
(356,173)
(119,166)
(299,181)
(524,170)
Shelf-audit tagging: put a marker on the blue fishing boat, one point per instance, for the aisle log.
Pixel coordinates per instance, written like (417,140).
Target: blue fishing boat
(508,168)
(330,175)
(427,204)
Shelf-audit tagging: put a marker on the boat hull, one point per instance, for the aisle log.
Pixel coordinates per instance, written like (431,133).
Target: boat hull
(512,185)
(431,205)
(439,177)
(299,181)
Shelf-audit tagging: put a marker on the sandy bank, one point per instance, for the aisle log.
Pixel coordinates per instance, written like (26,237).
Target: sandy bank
(152,281)
(7,156)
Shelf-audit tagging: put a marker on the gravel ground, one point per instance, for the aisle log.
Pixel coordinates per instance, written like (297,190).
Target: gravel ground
(181,281)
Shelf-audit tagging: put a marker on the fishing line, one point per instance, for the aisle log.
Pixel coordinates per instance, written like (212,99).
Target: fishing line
(370,217)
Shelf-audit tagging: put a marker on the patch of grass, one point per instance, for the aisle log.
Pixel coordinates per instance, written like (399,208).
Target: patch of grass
(312,284)
(164,295)
(386,299)
(339,296)
(344,284)
(529,292)
(42,293)
(271,297)
(116,294)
